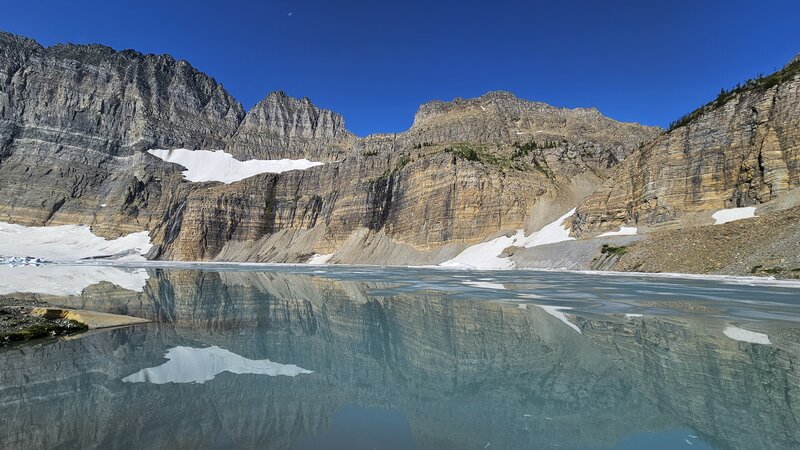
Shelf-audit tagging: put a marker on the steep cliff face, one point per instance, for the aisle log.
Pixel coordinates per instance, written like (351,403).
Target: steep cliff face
(75,121)
(418,196)
(95,98)
(742,149)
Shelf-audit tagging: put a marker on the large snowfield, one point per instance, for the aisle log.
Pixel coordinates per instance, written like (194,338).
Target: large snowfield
(65,243)
(217,165)
(68,243)
(486,255)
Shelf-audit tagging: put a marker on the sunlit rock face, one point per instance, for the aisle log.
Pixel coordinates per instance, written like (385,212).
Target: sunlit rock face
(280,127)
(739,151)
(461,372)
(91,97)
(76,122)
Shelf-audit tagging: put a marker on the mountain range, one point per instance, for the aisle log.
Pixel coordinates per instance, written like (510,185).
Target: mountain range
(81,126)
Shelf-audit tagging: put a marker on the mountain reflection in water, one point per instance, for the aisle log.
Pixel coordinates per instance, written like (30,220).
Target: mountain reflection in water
(302,358)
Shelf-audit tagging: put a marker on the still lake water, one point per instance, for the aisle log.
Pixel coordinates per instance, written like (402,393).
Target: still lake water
(388,358)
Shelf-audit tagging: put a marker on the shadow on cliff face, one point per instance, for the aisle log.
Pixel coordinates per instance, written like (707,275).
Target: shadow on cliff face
(379,201)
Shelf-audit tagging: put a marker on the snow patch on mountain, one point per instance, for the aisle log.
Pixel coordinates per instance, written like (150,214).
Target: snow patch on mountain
(486,255)
(740,334)
(731,214)
(623,231)
(217,165)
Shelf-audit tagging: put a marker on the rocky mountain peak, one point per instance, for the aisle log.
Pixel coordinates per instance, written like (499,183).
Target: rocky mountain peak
(492,101)
(280,100)
(284,126)
(499,95)
(283,115)
(94,97)
(496,105)
(93,53)
(12,41)
(500,116)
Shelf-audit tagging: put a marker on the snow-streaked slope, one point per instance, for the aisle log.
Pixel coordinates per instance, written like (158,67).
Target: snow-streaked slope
(69,243)
(555,311)
(551,233)
(740,334)
(318,259)
(623,231)
(217,165)
(486,255)
(198,365)
(731,214)
(67,280)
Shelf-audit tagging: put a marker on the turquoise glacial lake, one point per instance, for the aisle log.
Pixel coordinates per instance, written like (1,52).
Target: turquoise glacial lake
(347,357)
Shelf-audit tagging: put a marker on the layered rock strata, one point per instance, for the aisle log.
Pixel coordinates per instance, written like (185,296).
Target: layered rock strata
(75,122)
(742,149)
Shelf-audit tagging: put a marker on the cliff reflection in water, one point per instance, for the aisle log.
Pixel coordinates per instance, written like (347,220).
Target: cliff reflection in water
(313,360)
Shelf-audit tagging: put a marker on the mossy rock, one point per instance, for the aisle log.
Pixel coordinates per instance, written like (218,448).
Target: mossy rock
(611,250)
(18,324)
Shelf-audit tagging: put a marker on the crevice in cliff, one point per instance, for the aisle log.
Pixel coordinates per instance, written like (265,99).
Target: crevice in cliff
(379,201)
(270,207)
(315,205)
(174,219)
(54,209)
(7,141)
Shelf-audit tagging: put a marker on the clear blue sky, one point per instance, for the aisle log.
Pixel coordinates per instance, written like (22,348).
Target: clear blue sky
(376,61)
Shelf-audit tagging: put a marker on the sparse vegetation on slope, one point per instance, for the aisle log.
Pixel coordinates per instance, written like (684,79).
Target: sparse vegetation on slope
(761,82)
(465,151)
(611,250)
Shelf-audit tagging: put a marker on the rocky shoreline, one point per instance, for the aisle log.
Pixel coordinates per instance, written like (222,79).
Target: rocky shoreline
(24,320)
(20,321)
